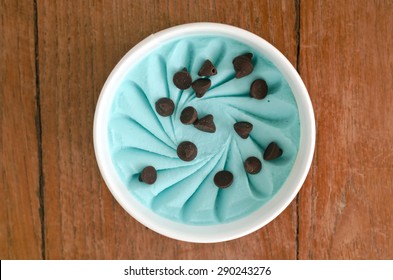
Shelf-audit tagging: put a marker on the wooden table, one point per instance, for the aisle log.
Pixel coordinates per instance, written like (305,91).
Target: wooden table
(55,58)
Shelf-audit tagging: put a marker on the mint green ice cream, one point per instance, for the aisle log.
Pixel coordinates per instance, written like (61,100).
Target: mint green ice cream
(184,191)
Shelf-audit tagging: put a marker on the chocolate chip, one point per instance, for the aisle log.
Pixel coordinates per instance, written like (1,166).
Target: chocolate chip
(187,151)
(182,79)
(200,86)
(252,165)
(223,179)
(207,69)
(243,129)
(165,107)
(248,55)
(258,89)
(243,65)
(189,115)
(148,175)
(272,151)
(206,124)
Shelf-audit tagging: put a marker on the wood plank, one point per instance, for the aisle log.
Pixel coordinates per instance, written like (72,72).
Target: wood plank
(347,64)
(80,42)
(20,225)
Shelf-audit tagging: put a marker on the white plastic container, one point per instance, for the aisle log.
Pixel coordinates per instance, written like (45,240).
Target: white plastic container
(220,232)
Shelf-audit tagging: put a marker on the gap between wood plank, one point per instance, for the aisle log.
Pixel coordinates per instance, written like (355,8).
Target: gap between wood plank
(39,132)
(297,8)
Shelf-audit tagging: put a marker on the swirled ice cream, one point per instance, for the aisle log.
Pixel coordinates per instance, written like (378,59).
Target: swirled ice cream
(184,191)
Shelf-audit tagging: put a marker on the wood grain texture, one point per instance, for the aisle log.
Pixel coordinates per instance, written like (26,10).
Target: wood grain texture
(20,225)
(347,63)
(345,60)
(80,42)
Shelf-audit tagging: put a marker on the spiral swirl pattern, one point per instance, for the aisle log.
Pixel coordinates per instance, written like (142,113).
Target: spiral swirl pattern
(184,191)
